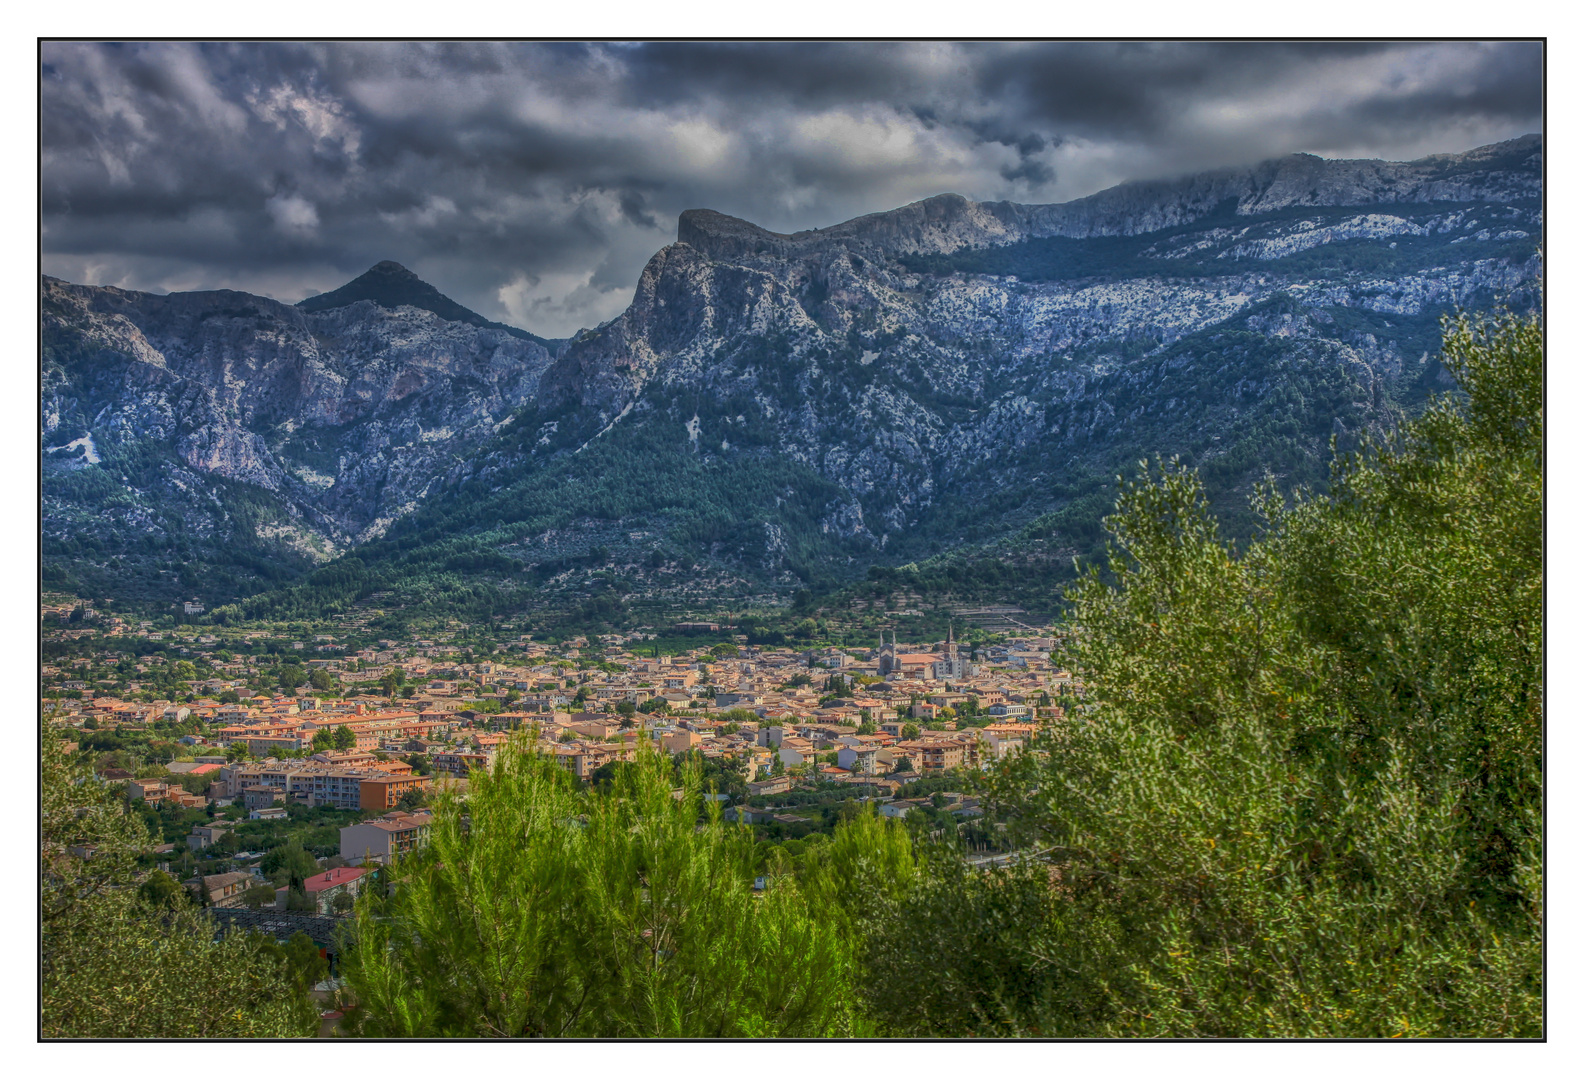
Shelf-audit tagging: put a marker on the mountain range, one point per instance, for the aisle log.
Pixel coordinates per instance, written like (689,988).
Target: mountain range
(951,382)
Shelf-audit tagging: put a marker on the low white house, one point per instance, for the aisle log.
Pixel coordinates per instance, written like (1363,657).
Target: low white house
(204,835)
(791,756)
(858,759)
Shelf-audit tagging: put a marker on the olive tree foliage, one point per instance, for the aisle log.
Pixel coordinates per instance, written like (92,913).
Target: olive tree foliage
(1303,794)
(1004,954)
(123,961)
(541,909)
(947,949)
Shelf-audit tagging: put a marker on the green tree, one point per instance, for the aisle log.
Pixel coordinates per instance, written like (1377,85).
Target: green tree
(1004,959)
(160,890)
(1304,795)
(866,870)
(554,911)
(259,896)
(195,785)
(116,962)
(304,961)
(291,860)
(292,676)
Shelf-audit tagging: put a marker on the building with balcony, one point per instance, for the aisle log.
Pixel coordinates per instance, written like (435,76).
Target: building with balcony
(382,838)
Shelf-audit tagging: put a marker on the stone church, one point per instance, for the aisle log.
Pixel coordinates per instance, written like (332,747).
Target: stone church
(942,665)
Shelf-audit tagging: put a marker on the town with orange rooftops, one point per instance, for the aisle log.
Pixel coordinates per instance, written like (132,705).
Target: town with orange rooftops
(275,771)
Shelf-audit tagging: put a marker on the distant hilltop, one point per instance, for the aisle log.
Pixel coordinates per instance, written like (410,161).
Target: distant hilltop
(945,223)
(392,285)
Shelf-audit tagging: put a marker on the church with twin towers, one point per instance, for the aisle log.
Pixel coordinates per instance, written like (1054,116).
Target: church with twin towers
(932,665)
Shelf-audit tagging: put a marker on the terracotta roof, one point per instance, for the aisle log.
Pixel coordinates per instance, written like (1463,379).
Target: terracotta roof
(220,881)
(398,821)
(331,878)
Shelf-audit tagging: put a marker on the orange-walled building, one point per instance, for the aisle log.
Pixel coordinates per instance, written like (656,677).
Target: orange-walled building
(384,792)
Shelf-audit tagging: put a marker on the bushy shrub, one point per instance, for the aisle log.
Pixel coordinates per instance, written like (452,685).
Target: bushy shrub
(1304,789)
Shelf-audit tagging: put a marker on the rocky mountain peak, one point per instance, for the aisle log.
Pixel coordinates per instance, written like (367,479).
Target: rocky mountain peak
(390,269)
(904,289)
(721,236)
(943,224)
(391,285)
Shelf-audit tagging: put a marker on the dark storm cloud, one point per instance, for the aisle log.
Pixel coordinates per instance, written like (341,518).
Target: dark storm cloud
(531,182)
(632,208)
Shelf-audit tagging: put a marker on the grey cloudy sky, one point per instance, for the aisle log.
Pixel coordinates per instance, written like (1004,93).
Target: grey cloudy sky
(532,181)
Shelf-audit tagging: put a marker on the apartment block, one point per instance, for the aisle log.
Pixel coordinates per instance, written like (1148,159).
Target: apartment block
(382,838)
